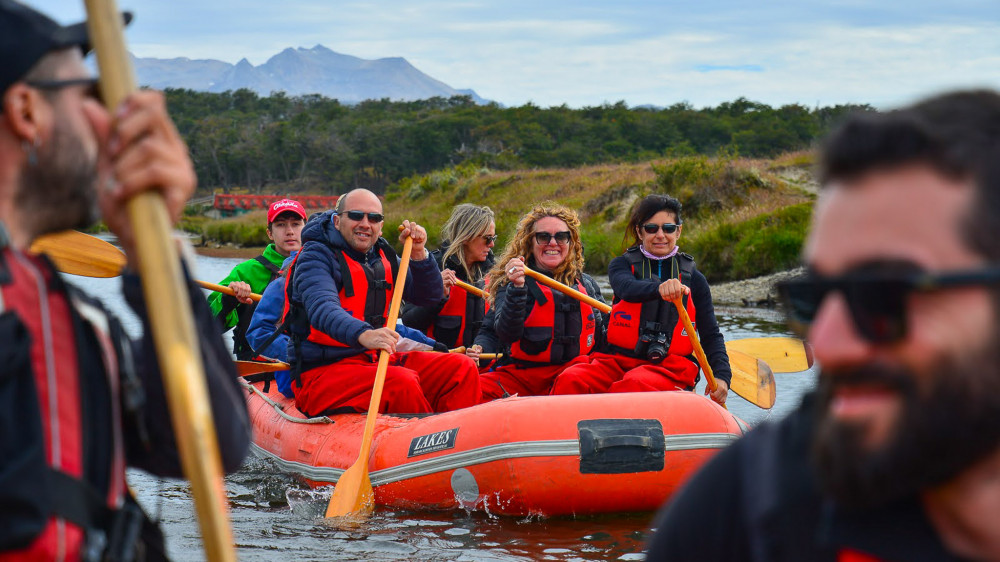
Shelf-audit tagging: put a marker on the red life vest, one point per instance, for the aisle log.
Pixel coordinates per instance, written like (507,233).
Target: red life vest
(365,293)
(458,322)
(557,329)
(29,295)
(635,325)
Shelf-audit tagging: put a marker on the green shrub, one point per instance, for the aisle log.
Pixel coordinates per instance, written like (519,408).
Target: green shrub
(762,245)
(245,230)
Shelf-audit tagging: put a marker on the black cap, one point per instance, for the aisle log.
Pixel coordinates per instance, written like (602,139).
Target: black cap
(27,35)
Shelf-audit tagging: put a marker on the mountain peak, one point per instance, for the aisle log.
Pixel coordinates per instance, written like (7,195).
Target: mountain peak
(301,71)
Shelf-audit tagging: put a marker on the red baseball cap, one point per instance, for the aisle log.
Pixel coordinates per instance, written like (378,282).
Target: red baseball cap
(284,206)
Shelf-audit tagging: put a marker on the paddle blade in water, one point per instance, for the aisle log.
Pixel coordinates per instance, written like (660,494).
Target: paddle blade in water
(353,494)
(784,355)
(752,379)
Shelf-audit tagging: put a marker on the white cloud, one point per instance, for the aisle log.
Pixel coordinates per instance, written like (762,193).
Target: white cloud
(587,52)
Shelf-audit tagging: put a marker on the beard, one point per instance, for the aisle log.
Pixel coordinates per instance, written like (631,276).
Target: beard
(944,427)
(57,193)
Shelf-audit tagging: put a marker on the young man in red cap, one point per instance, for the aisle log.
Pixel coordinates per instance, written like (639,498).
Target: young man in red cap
(285,219)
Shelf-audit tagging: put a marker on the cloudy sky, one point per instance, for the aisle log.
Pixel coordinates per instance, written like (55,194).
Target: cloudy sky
(586,52)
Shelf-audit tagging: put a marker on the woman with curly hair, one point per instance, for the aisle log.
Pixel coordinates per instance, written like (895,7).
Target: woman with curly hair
(466,254)
(648,348)
(542,331)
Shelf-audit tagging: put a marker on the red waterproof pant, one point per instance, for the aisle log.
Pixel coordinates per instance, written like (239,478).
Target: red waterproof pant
(618,373)
(521,380)
(416,382)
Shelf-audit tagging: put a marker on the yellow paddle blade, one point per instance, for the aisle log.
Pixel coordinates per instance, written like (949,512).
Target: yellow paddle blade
(783,355)
(80,254)
(353,494)
(752,379)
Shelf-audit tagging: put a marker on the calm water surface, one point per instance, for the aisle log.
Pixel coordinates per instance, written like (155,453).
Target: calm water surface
(277,518)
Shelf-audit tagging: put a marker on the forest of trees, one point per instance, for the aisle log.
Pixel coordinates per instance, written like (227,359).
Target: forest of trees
(315,144)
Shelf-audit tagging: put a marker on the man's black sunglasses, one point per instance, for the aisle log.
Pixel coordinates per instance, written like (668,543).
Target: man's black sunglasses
(562,237)
(93,89)
(877,300)
(668,227)
(358,216)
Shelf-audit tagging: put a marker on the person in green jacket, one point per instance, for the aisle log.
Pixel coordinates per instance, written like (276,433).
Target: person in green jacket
(285,219)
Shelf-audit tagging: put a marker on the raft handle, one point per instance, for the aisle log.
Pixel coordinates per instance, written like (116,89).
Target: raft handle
(621,446)
(610,441)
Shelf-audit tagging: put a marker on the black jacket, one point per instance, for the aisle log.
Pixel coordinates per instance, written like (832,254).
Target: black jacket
(137,394)
(758,500)
(513,305)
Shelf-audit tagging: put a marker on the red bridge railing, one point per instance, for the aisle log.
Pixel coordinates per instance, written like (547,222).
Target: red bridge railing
(253,202)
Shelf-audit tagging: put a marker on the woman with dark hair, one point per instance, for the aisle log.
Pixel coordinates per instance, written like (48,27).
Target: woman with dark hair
(542,330)
(466,254)
(648,348)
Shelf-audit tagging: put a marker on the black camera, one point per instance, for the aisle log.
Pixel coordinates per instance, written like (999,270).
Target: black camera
(655,344)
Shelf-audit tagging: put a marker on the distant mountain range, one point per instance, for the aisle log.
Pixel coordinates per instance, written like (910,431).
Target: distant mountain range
(299,72)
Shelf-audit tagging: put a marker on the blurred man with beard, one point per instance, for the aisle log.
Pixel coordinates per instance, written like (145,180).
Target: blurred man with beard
(896,456)
(79,399)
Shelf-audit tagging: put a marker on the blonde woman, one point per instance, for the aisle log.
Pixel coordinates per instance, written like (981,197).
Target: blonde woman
(542,330)
(466,254)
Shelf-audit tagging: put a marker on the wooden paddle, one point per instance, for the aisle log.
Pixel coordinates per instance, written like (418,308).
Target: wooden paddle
(758,389)
(784,355)
(81,254)
(353,494)
(752,378)
(566,290)
(244,368)
(225,290)
(471,288)
(462,349)
(169,308)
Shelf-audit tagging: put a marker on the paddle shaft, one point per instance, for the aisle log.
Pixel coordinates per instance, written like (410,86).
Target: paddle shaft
(462,349)
(566,289)
(350,495)
(698,351)
(471,288)
(169,308)
(225,290)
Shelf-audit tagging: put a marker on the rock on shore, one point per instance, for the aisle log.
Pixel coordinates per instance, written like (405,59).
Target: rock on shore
(756,292)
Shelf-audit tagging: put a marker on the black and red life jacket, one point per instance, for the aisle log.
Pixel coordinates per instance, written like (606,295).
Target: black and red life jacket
(365,292)
(558,327)
(458,322)
(633,324)
(62,456)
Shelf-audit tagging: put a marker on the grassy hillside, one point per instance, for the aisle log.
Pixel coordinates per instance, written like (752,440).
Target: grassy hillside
(742,217)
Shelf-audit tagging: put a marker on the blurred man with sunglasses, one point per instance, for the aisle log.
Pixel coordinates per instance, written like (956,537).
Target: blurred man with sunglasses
(896,456)
(79,399)
(338,292)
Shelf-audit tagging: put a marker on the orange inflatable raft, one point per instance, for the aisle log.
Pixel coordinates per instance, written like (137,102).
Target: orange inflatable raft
(543,455)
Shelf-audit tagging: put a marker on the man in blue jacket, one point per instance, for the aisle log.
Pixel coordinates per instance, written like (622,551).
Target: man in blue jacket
(267,318)
(340,287)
